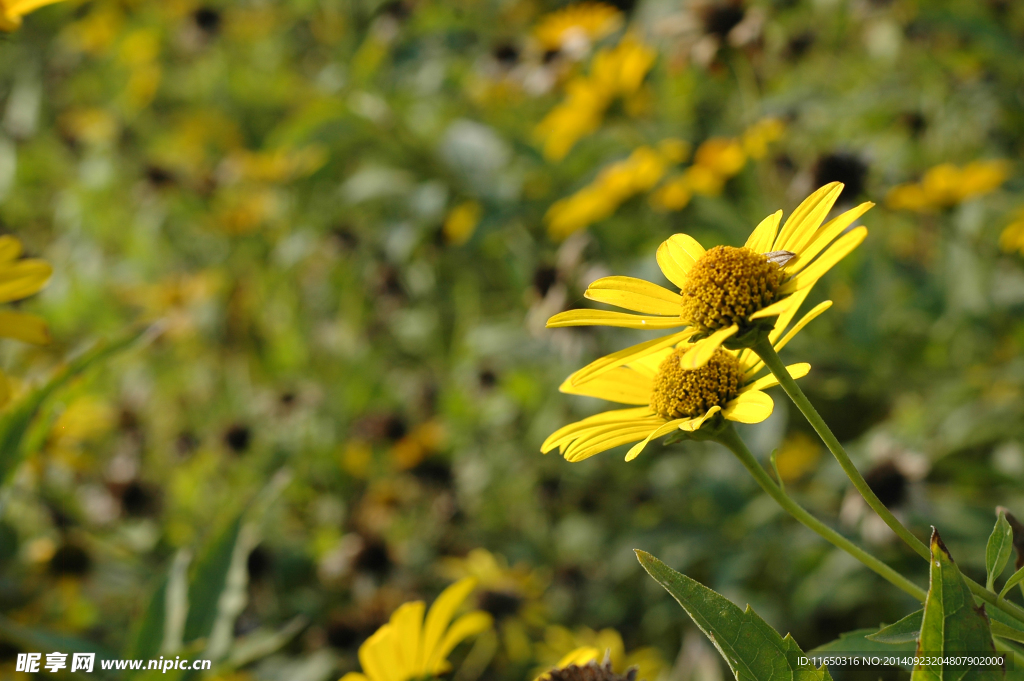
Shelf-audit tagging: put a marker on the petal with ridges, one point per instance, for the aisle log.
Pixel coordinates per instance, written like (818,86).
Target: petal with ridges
(27,328)
(591,436)
(618,385)
(676,256)
(763,236)
(828,233)
(703,350)
(635,450)
(648,365)
(622,438)
(440,616)
(407,622)
(470,624)
(769,381)
(816,270)
(798,219)
(804,233)
(695,423)
(749,407)
(617,359)
(615,415)
(610,318)
(635,294)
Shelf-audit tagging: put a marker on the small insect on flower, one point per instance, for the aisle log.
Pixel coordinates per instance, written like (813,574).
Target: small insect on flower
(727,295)
(723,386)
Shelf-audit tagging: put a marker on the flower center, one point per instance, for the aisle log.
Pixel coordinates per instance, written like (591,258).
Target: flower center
(726,285)
(679,392)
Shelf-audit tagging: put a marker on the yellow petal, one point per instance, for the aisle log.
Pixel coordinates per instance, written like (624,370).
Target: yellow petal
(800,221)
(614,416)
(10,248)
(763,236)
(23,7)
(635,450)
(375,655)
(591,435)
(695,423)
(617,359)
(676,256)
(804,321)
(23,278)
(786,317)
(832,230)
(769,381)
(805,231)
(27,328)
(440,615)
(749,407)
(817,269)
(635,294)
(649,364)
(470,624)
(618,385)
(776,308)
(354,676)
(623,437)
(407,623)
(610,318)
(702,350)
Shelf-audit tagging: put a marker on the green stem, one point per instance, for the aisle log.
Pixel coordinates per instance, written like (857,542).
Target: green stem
(766,352)
(731,439)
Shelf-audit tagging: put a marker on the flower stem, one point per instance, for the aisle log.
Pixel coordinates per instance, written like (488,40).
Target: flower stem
(731,439)
(766,352)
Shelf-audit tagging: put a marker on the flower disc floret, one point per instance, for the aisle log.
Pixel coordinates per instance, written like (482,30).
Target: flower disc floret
(726,285)
(680,393)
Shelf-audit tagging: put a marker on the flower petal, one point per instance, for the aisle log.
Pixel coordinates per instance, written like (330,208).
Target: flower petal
(10,248)
(605,442)
(617,359)
(694,424)
(470,624)
(702,350)
(635,450)
(630,415)
(627,386)
(610,318)
(830,231)
(440,615)
(808,215)
(635,294)
(375,655)
(804,321)
(763,236)
(769,381)
(816,270)
(750,407)
(776,308)
(407,622)
(676,256)
(23,278)
(27,328)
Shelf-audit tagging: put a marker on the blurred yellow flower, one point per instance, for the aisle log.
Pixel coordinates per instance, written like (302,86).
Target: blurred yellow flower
(410,647)
(758,136)
(418,444)
(674,194)
(578,657)
(90,125)
(20,279)
(85,419)
(278,166)
(615,72)
(614,184)
(1012,238)
(11,11)
(947,185)
(577,25)
(586,645)
(461,222)
(797,457)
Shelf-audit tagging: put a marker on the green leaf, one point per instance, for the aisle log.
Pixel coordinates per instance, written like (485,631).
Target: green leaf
(752,649)
(906,630)
(997,552)
(1006,631)
(32,639)
(861,641)
(1014,579)
(952,623)
(16,422)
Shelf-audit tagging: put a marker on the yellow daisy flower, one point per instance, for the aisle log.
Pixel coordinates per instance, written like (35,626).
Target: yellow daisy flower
(409,647)
(586,645)
(582,664)
(11,11)
(947,185)
(585,21)
(726,294)
(673,397)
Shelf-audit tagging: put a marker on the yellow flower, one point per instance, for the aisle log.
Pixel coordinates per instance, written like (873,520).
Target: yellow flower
(461,222)
(410,647)
(586,645)
(615,184)
(11,11)
(758,136)
(673,397)
(725,292)
(1012,238)
(616,72)
(20,279)
(578,657)
(674,194)
(947,185)
(584,22)
(797,457)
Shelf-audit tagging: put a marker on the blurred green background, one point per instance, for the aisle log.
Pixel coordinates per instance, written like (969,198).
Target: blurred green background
(338,210)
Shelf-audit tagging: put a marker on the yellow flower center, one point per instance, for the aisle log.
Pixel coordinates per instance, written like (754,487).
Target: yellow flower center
(679,392)
(726,285)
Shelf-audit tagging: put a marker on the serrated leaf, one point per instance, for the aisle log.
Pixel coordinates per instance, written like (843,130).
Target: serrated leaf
(753,650)
(952,623)
(1014,579)
(998,549)
(906,630)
